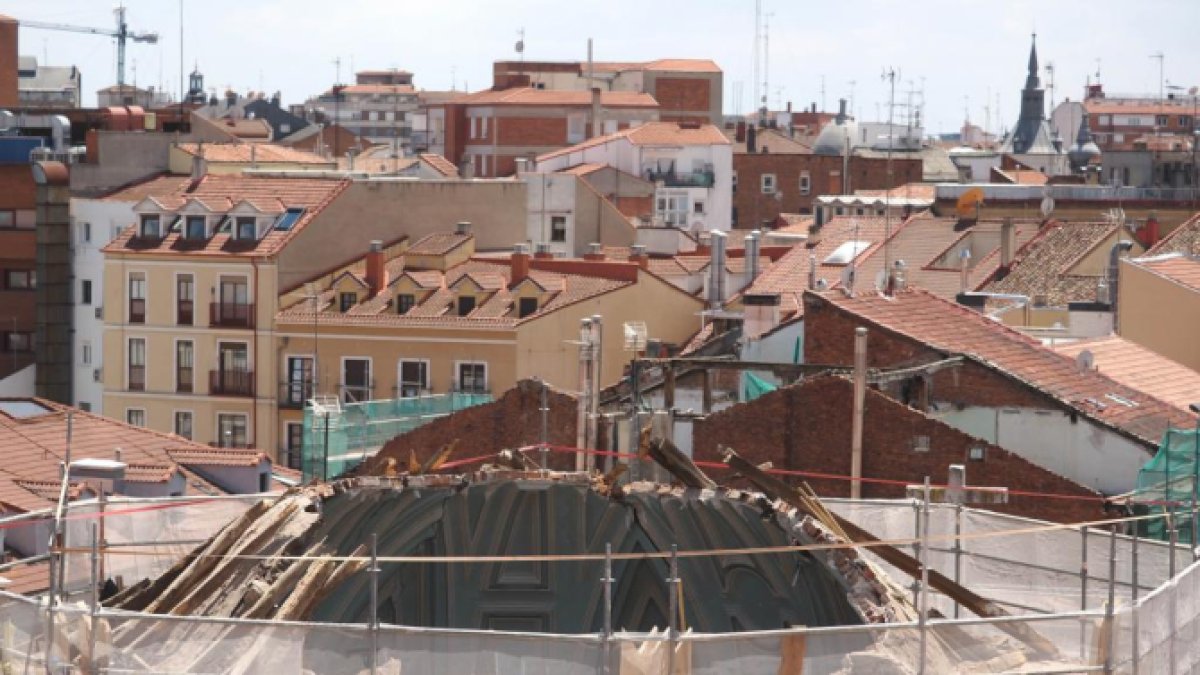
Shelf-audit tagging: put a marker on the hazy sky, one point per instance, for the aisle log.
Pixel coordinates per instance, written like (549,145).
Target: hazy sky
(956,48)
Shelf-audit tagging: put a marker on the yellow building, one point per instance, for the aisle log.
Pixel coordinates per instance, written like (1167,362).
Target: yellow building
(1159,306)
(433,318)
(226,158)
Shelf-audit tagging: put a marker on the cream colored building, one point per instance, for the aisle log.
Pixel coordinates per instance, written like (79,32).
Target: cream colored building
(432,318)
(1159,306)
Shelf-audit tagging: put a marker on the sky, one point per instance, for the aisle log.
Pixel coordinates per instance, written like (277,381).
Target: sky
(963,54)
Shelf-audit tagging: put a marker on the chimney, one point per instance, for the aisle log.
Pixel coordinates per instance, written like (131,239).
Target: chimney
(703,244)
(520,264)
(637,254)
(1007,241)
(812,271)
(760,312)
(541,251)
(740,135)
(8,63)
(522,165)
(595,251)
(597,113)
(375,268)
(199,166)
(751,139)
(1151,230)
(752,248)
(463,227)
(716,270)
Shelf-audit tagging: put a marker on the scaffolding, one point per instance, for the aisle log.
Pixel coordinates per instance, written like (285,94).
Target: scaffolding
(339,436)
(1170,484)
(1105,601)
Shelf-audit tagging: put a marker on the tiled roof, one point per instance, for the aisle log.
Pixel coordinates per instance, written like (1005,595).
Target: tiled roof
(1184,270)
(906,191)
(1117,107)
(557,97)
(495,312)
(1024,176)
(924,242)
(1135,366)
(1044,268)
(311,194)
(952,329)
(247,152)
(439,164)
(162,184)
(651,133)
(216,457)
(35,445)
(788,276)
(245,128)
(367,89)
(773,141)
(675,65)
(27,579)
(1183,239)
(438,243)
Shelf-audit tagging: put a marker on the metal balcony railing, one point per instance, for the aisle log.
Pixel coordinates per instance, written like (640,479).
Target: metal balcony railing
(231,382)
(703,179)
(295,394)
(231,315)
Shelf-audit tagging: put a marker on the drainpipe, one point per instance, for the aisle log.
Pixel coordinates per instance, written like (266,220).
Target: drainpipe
(860,392)
(255,362)
(1114,260)
(597,349)
(582,402)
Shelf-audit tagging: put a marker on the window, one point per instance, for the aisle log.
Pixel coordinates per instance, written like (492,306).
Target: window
(1104,120)
(805,183)
(526,306)
(85,291)
(185,300)
(466,305)
(414,378)
(85,232)
(135,417)
(472,377)
(137,298)
(196,228)
(85,406)
(85,354)
(483,124)
(184,366)
(231,431)
(183,424)
(768,183)
(137,364)
(405,302)
(299,385)
(846,252)
(8,219)
(18,341)
(347,300)
(733,176)
(1185,121)
(575,128)
(558,228)
(1161,120)
(246,228)
(356,380)
(294,440)
(149,228)
(672,209)
(20,280)
(233,308)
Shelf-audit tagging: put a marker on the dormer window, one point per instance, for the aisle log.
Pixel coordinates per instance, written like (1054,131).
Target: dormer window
(150,227)
(405,302)
(347,300)
(196,228)
(526,306)
(466,305)
(246,228)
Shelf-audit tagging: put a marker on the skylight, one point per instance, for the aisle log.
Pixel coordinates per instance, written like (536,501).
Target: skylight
(288,219)
(23,409)
(846,252)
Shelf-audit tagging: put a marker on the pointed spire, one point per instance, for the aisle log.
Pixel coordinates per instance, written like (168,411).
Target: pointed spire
(1032,82)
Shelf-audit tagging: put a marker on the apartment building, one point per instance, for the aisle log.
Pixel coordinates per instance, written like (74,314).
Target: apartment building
(691,166)
(18,260)
(378,107)
(432,317)
(488,131)
(687,90)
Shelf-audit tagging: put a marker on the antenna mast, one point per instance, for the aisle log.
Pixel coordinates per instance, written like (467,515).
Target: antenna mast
(890,76)
(757,50)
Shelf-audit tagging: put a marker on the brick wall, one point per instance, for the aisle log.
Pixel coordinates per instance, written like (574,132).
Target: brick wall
(537,131)
(8,62)
(825,174)
(511,421)
(807,427)
(681,94)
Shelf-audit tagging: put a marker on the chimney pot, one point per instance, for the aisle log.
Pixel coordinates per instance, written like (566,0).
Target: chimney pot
(375,268)
(520,263)
(463,227)
(595,251)
(1007,242)
(637,254)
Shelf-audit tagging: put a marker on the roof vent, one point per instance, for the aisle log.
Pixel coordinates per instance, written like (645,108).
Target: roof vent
(463,227)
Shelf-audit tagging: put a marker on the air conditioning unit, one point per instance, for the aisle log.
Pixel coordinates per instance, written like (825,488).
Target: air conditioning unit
(97,374)
(99,312)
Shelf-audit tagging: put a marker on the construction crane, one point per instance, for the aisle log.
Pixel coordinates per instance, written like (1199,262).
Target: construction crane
(122,33)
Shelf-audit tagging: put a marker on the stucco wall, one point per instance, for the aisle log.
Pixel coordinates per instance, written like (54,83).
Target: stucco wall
(1159,314)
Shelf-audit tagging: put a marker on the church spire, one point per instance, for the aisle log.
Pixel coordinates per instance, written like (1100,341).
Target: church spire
(1031,82)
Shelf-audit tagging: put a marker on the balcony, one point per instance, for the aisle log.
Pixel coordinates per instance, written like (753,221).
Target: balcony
(231,382)
(294,395)
(696,179)
(231,315)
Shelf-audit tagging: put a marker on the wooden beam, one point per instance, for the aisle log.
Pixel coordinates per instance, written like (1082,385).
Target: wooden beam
(672,459)
(981,606)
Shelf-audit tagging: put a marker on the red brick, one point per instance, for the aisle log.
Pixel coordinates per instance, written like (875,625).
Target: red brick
(680,94)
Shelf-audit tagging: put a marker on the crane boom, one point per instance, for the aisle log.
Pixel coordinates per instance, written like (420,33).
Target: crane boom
(121,33)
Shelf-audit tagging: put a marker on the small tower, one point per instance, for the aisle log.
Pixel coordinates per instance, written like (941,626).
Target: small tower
(195,92)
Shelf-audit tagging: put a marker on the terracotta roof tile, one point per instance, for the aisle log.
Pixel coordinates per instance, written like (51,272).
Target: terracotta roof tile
(216,457)
(527,96)
(438,243)
(1183,239)
(952,329)
(27,579)
(651,133)
(1181,269)
(1045,267)
(440,164)
(247,152)
(1135,366)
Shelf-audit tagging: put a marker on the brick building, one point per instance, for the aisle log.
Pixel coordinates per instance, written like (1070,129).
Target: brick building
(770,183)
(1010,390)
(489,130)
(806,427)
(18,262)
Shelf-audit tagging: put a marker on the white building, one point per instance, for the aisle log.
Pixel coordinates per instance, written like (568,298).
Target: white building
(690,164)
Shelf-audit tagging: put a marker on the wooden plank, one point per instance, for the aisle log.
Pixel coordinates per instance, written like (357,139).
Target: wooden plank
(791,654)
(672,459)
(982,607)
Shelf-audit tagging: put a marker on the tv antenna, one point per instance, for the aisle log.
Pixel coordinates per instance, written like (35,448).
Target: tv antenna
(520,46)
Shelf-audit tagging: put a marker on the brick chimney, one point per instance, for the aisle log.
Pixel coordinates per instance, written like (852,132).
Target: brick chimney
(595,251)
(751,139)
(541,251)
(740,134)
(8,62)
(1007,243)
(637,254)
(376,274)
(1151,231)
(597,113)
(520,264)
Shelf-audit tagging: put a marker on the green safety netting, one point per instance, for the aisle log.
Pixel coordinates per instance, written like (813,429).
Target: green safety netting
(337,437)
(1169,482)
(754,386)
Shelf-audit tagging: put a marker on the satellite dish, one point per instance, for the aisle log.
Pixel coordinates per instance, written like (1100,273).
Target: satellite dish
(968,204)
(1085,361)
(1047,206)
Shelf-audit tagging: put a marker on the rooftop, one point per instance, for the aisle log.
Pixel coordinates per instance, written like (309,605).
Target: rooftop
(953,329)
(557,97)
(651,134)
(1183,239)
(1135,366)
(1183,270)
(251,152)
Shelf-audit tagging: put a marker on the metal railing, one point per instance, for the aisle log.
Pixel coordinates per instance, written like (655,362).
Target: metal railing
(231,315)
(295,394)
(137,310)
(356,393)
(704,179)
(231,382)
